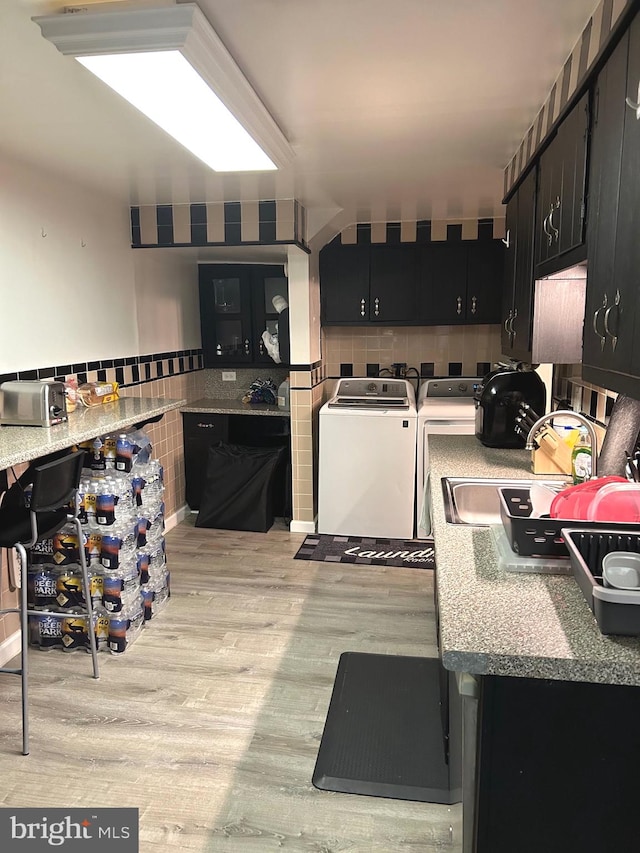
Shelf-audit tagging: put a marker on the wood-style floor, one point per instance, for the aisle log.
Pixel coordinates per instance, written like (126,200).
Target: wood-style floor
(210,723)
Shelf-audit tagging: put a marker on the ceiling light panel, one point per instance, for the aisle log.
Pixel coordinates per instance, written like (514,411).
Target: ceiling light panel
(170,64)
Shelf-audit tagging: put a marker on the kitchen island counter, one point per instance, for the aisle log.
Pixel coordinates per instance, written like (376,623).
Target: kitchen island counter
(496,622)
(22,444)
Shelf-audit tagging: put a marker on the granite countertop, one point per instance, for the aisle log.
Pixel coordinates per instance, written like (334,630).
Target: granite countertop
(22,444)
(496,622)
(210,405)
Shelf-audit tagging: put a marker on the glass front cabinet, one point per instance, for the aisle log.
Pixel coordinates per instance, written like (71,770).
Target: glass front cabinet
(236,307)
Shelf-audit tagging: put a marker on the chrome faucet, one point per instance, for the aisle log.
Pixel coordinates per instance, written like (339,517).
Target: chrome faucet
(593,438)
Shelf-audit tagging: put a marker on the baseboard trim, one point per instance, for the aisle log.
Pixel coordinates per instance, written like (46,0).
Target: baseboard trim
(175,518)
(302,527)
(9,648)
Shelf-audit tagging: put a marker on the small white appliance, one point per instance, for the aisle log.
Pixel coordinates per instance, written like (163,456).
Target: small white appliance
(445,407)
(366,483)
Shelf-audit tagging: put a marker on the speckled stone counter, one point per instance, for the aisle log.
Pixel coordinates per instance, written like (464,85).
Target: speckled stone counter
(209,405)
(22,444)
(495,622)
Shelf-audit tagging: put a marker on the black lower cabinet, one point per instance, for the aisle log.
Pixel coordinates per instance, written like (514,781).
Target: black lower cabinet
(200,432)
(558,766)
(203,430)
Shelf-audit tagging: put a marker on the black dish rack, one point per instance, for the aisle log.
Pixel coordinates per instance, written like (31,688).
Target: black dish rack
(617,611)
(539,537)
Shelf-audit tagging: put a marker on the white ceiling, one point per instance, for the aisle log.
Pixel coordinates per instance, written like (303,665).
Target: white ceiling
(395,109)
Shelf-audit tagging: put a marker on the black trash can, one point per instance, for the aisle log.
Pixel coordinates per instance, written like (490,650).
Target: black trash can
(238,490)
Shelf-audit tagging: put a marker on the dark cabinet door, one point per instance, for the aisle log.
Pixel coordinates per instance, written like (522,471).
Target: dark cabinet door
(443,283)
(344,284)
(622,325)
(268,283)
(574,138)
(604,196)
(508,287)
(393,283)
(562,187)
(522,319)
(485,274)
(518,282)
(225,314)
(549,183)
(201,430)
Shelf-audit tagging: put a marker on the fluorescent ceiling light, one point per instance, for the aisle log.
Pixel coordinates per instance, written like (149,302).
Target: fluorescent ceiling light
(170,64)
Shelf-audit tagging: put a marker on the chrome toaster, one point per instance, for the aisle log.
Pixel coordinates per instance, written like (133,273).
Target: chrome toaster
(32,403)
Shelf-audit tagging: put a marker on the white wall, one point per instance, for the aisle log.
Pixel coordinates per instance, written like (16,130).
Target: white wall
(304,302)
(80,293)
(168,308)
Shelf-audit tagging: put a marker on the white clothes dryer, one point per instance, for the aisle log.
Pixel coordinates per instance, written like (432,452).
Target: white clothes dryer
(445,407)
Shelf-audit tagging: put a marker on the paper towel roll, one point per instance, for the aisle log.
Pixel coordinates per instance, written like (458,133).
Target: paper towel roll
(622,435)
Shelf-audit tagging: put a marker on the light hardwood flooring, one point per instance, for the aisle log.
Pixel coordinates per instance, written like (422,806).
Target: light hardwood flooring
(210,722)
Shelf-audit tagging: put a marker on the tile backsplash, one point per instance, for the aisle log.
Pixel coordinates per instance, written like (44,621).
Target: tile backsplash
(431,350)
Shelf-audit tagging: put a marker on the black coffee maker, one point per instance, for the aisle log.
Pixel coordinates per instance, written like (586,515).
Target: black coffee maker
(498,399)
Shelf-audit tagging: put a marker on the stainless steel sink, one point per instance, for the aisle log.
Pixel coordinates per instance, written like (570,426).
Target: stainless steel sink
(476,501)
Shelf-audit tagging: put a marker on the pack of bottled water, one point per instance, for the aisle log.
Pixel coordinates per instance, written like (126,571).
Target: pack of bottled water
(121,510)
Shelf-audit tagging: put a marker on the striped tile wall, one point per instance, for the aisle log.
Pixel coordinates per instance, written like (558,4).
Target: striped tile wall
(129,371)
(577,66)
(422,231)
(571,391)
(230,223)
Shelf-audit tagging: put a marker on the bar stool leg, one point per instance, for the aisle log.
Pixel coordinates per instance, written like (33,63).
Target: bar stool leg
(24,645)
(87,597)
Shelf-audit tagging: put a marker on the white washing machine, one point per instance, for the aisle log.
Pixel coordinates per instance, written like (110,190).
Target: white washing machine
(445,407)
(366,483)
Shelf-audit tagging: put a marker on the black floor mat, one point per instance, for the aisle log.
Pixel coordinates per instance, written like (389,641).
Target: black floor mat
(383,734)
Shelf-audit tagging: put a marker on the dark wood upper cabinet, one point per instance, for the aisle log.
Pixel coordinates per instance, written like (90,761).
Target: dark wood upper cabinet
(443,283)
(393,277)
(562,189)
(518,291)
(344,284)
(485,274)
(611,351)
(412,284)
(236,308)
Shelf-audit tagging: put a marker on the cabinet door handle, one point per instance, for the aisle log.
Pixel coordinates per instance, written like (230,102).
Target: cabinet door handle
(596,314)
(261,346)
(552,227)
(507,240)
(506,323)
(219,349)
(474,302)
(459,304)
(544,228)
(362,307)
(511,329)
(247,346)
(616,305)
(376,309)
(633,106)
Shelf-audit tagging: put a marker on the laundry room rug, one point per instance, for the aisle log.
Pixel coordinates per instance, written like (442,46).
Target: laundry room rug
(405,553)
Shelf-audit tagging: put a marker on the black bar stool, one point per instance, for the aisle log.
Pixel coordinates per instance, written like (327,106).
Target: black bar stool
(55,486)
